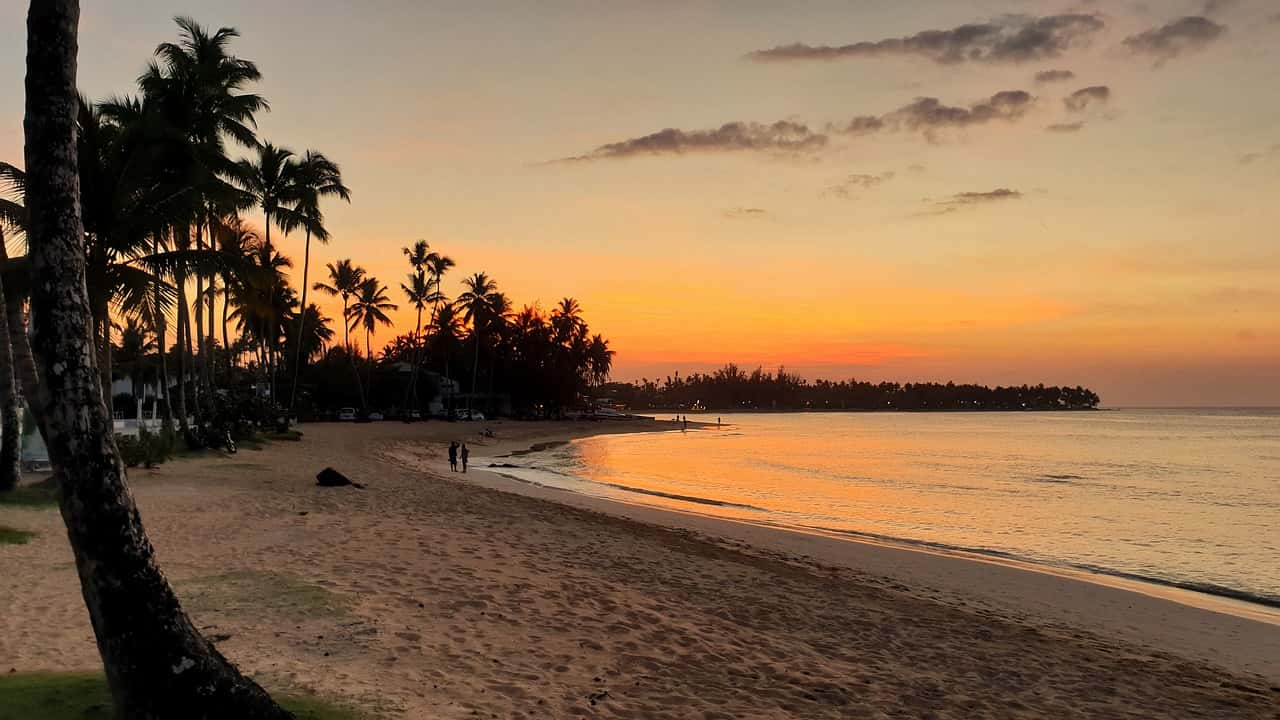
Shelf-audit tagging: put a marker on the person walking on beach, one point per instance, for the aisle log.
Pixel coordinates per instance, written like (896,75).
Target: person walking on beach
(465,454)
(453,457)
(686,424)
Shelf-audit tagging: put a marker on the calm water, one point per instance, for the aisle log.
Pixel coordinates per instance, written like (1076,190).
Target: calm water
(1187,497)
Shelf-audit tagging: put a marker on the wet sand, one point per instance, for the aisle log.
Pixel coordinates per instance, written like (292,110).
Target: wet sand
(432,594)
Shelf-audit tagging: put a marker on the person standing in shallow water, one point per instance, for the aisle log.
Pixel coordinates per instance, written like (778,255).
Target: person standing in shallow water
(453,457)
(465,454)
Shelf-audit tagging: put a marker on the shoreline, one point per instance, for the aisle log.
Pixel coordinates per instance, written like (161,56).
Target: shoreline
(1132,601)
(1224,599)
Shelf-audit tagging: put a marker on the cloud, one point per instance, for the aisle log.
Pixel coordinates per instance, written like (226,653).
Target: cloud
(1052,76)
(968,200)
(746,213)
(1012,39)
(782,137)
(929,116)
(1167,42)
(1080,100)
(1065,127)
(847,186)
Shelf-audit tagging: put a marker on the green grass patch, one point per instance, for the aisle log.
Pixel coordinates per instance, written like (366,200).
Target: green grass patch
(43,493)
(257,591)
(14,536)
(84,696)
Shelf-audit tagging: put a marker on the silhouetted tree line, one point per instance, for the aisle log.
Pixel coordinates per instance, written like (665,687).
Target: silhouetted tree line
(731,388)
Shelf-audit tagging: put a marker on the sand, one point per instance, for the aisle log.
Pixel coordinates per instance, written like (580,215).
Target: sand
(441,595)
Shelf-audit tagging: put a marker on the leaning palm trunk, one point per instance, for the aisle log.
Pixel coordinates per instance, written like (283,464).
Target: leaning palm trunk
(180,330)
(475,371)
(157,664)
(160,333)
(302,321)
(199,359)
(10,408)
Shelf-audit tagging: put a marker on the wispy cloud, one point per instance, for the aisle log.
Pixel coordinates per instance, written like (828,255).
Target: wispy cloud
(930,116)
(849,185)
(1082,99)
(1065,127)
(747,213)
(1188,34)
(1252,157)
(1012,39)
(1051,76)
(969,200)
(784,137)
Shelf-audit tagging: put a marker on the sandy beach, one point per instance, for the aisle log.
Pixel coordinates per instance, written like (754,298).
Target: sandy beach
(430,594)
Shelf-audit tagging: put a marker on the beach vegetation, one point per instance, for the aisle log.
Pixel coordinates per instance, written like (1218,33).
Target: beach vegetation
(732,388)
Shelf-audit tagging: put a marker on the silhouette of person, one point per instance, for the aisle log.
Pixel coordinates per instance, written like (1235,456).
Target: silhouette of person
(717,423)
(453,457)
(465,454)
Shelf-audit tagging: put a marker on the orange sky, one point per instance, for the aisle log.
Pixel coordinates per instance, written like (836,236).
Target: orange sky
(1134,253)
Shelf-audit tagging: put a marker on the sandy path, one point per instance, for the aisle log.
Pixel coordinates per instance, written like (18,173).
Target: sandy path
(432,597)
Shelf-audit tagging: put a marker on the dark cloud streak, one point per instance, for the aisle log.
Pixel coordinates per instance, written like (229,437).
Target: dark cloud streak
(1052,76)
(784,137)
(929,116)
(1188,34)
(1014,39)
(1080,100)
(968,200)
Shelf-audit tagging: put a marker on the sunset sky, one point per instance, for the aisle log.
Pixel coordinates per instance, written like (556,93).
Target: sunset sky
(875,189)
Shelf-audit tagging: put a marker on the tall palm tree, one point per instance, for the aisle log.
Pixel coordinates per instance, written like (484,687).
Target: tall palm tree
(272,181)
(142,632)
(477,303)
(316,177)
(418,292)
(344,281)
(370,310)
(198,86)
(567,320)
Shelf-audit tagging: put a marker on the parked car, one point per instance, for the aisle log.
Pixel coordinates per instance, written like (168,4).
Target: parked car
(347,415)
(375,416)
(464,414)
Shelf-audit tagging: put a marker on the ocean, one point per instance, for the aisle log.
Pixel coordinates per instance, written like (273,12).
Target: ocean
(1188,498)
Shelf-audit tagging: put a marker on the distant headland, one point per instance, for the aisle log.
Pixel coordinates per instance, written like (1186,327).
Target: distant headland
(731,388)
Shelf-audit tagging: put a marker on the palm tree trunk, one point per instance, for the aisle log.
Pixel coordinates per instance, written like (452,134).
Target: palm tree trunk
(475,370)
(368,351)
(157,663)
(302,321)
(200,360)
(346,340)
(226,300)
(179,279)
(160,334)
(410,390)
(10,406)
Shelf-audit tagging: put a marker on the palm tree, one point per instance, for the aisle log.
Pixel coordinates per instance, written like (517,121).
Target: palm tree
(599,358)
(369,310)
(272,181)
(142,632)
(418,292)
(566,318)
(344,281)
(317,177)
(477,303)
